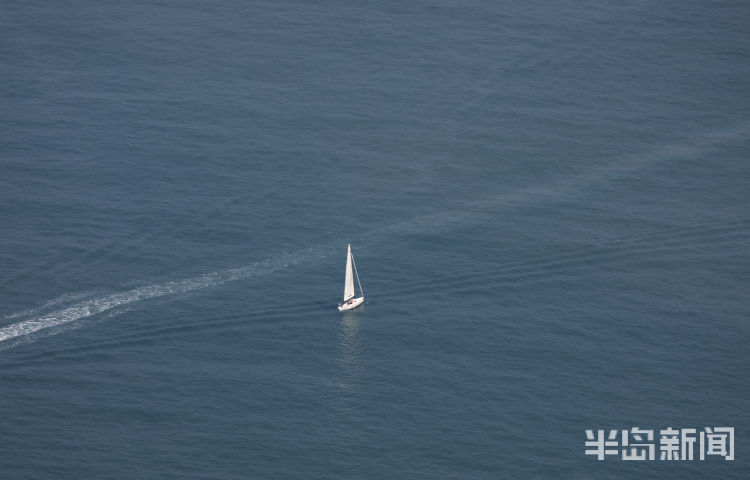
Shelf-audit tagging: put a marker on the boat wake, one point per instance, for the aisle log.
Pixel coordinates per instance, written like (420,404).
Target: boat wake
(114,302)
(52,315)
(473,211)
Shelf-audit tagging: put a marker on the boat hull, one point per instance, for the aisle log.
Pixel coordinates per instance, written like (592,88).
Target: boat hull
(353,303)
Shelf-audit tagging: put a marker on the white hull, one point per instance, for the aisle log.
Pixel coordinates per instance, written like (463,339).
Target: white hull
(353,303)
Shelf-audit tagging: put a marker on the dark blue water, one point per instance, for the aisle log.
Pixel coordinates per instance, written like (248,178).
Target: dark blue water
(548,203)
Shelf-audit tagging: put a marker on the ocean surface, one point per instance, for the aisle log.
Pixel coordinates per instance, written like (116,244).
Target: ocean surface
(548,202)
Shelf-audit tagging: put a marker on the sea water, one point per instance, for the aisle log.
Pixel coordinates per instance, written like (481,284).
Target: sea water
(547,201)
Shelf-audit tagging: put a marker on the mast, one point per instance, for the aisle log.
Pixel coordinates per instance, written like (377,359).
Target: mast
(349,280)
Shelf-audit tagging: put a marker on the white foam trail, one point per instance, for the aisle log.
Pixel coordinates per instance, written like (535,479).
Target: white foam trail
(106,303)
(698,145)
(65,298)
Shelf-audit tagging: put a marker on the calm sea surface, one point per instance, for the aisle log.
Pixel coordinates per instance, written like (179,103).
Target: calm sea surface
(548,204)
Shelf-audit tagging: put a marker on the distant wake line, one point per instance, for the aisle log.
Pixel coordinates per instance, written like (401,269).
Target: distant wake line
(470,210)
(90,307)
(94,306)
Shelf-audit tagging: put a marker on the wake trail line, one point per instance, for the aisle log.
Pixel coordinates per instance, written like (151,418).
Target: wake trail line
(95,306)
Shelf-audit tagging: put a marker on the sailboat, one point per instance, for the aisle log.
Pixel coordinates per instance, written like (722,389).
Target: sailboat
(350,300)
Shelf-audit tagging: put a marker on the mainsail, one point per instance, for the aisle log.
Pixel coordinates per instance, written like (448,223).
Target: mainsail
(349,282)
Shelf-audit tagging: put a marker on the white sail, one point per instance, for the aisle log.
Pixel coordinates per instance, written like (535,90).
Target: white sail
(349,282)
